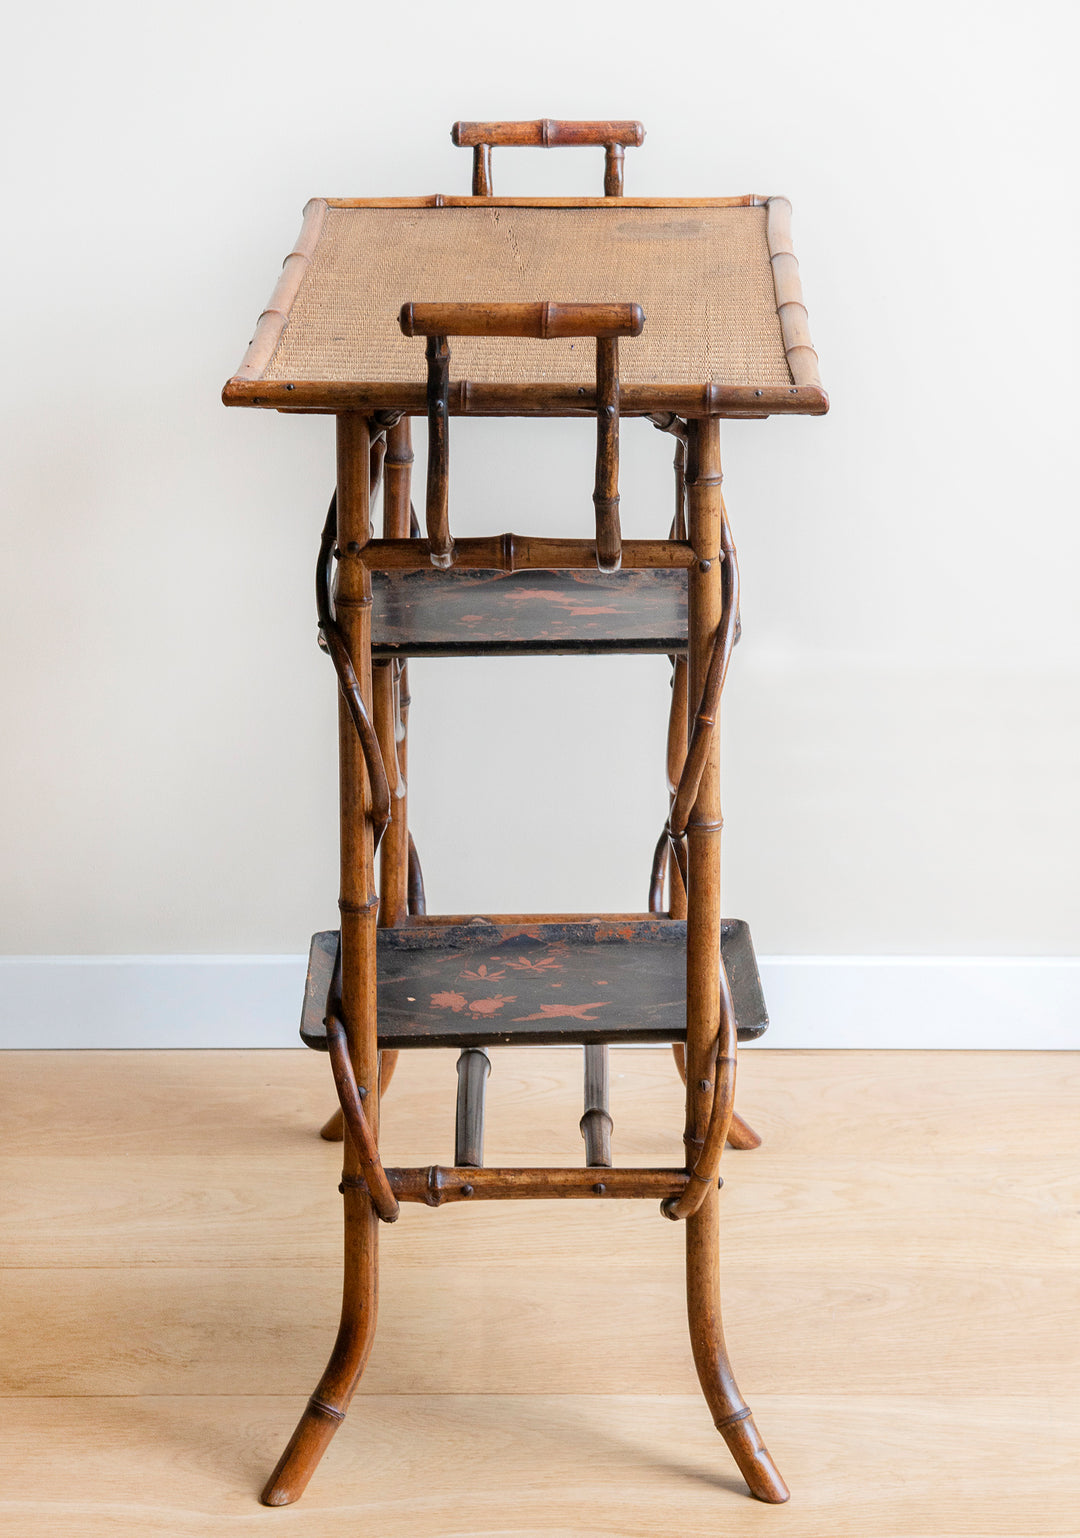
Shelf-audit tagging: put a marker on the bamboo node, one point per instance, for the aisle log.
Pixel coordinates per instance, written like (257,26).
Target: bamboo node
(733,1420)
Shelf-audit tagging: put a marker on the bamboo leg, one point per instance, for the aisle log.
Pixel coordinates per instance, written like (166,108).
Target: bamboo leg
(729,1410)
(740,1134)
(392,461)
(710,1059)
(326,1408)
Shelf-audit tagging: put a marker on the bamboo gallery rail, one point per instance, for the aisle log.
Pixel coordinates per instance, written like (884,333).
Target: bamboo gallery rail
(394,976)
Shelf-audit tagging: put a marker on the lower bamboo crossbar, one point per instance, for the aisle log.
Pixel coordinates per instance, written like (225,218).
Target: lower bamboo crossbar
(436,1184)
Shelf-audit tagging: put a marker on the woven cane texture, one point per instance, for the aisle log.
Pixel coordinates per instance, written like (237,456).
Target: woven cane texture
(702,276)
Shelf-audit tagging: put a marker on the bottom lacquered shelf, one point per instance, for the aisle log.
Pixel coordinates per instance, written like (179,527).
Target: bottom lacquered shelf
(485,983)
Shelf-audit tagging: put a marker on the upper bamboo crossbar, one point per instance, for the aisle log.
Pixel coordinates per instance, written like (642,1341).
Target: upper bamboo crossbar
(453,200)
(523,552)
(330,397)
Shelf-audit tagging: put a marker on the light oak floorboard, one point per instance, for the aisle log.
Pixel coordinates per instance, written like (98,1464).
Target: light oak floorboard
(607,1465)
(900,1271)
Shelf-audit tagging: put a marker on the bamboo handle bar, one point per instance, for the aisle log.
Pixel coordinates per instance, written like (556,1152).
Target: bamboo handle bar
(544,319)
(549,133)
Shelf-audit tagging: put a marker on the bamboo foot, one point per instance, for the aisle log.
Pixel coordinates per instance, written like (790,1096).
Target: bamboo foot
(740,1134)
(730,1412)
(326,1408)
(301,1457)
(754,1460)
(334,1129)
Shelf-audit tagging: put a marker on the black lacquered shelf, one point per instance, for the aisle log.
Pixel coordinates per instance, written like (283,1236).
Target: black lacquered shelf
(488,984)
(458,613)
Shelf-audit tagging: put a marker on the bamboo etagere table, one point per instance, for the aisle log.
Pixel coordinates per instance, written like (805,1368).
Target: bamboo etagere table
(696,312)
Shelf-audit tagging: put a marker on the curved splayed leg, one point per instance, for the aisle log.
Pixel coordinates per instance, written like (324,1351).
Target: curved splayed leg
(729,1410)
(326,1408)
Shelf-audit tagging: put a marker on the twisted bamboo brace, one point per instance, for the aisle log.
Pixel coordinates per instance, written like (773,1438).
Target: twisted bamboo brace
(334,641)
(673,838)
(352,1103)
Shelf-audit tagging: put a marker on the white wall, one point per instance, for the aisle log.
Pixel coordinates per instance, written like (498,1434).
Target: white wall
(901,738)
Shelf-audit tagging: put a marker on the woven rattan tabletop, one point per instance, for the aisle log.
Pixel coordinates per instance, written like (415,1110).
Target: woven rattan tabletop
(725,329)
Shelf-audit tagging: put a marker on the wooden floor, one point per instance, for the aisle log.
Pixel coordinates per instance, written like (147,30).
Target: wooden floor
(901,1266)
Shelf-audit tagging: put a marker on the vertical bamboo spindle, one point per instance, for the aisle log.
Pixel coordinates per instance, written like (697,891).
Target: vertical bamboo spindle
(326,1408)
(596,1123)
(473,1067)
(440,545)
(394,850)
(393,907)
(730,1412)
(606,492)
(481,171)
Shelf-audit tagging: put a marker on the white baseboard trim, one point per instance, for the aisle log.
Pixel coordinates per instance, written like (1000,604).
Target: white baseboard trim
(814,1001)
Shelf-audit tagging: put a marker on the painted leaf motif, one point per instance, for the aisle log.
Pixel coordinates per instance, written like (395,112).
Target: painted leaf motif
(480,1009)
(563,1011)
(545,963)
(482,974)
(454,1001)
